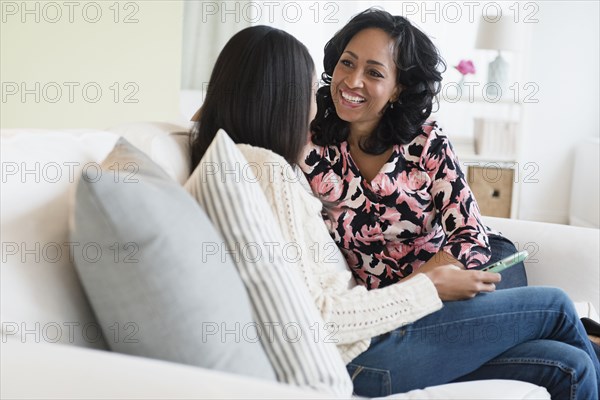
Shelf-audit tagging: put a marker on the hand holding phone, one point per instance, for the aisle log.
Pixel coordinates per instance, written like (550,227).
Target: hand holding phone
(507,262)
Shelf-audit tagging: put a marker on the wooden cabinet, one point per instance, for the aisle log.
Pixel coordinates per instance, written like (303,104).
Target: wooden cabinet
(493,189)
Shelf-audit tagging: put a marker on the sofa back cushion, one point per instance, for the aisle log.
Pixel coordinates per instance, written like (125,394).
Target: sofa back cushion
(167,144)
(41,297)
(42,300)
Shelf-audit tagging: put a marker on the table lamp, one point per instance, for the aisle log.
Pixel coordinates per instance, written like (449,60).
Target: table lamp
(497,33)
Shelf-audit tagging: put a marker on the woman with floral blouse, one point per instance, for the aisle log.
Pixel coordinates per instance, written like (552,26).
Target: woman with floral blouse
(393,223)
(395,197)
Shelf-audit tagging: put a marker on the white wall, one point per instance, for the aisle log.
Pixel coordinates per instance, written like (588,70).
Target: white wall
(89,64)
(563,62)
(207,26)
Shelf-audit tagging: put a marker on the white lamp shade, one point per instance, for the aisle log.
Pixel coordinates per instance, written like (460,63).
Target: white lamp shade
(498,33)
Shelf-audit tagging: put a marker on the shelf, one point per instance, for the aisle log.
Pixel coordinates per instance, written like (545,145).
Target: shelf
(484,131)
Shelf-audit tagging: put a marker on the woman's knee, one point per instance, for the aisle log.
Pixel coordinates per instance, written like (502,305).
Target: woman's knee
(560,297)
(579,365)
(549,295)
(544,299)
(563,369)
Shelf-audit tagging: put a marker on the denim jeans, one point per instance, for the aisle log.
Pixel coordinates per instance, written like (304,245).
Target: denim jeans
(501,248)
(596,348)
(532,334)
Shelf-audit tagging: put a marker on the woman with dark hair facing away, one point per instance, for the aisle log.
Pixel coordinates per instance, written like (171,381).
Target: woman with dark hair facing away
(260,92)
(393,338)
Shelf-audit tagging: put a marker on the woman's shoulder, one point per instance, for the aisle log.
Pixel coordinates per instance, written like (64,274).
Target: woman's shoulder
(431,130)
(314,155)
(429,139)
(276,175)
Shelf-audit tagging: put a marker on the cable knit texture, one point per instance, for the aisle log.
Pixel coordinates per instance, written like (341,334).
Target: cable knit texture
(355,314)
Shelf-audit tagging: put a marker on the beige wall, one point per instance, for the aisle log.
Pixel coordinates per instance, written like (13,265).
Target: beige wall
(83,64)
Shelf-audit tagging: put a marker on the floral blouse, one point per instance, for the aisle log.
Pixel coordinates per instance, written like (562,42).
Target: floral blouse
(418,204)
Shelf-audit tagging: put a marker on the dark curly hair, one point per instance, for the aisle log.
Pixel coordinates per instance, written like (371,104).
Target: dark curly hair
(419,69)
(260,93)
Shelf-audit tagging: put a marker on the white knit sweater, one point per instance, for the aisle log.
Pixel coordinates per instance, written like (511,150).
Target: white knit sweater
(356,313)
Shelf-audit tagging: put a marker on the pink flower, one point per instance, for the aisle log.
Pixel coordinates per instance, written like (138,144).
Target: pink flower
(465,67)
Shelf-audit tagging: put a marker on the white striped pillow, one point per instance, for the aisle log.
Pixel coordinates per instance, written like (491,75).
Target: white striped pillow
(291,329)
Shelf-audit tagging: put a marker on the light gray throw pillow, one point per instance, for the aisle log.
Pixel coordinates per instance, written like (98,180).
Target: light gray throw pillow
(156,272)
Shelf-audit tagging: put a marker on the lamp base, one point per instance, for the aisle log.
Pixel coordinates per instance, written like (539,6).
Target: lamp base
(497,76)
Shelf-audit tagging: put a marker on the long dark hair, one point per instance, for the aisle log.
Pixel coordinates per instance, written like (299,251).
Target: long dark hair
(419,68)
(259,93)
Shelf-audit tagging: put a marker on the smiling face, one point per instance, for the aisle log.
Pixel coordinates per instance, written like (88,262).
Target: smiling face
(364,80)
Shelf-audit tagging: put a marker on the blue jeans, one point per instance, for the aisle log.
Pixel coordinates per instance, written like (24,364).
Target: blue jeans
(532,334)
(501,248)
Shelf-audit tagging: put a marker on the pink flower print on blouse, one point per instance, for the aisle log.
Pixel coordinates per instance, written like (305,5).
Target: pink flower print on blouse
(417,180)
(328,185)
(383,185)
(369,234)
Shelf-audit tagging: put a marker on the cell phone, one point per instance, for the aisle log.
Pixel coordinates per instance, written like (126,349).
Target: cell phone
(507,262)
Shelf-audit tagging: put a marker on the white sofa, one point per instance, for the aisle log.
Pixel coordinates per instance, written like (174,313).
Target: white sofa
(50,346)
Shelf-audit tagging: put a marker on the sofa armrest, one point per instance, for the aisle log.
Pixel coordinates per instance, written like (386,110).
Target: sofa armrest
(560,255)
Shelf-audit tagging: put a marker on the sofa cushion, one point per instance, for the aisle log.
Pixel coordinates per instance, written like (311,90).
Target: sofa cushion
(41,297)
(30,373)
(158,287)
(167,144)
(225,185)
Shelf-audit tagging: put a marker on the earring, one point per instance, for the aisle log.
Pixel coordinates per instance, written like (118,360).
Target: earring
(391,105)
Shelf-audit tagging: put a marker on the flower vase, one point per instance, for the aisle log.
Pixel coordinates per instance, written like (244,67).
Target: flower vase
(461,85)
